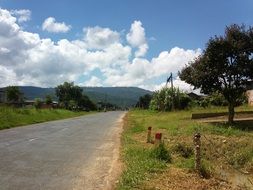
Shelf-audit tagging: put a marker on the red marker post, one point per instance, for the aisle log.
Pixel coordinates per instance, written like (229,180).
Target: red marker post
(158,138)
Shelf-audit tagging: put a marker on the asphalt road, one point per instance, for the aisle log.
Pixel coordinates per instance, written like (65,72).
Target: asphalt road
(78,153)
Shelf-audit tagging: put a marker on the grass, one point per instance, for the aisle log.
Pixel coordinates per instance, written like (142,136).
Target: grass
(13,117)
(221,145)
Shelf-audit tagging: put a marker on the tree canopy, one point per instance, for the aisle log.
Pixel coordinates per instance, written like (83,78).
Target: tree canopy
(225,66)
(67,92)
(144,101)
(72,97)
(13,94)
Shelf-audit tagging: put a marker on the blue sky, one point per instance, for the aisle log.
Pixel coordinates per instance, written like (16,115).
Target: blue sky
(167,30)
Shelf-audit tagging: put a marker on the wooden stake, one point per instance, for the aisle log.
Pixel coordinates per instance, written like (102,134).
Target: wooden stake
(197,143)
(149,135)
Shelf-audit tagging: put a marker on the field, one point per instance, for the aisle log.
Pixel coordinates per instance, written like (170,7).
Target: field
(226,151)
(13,117)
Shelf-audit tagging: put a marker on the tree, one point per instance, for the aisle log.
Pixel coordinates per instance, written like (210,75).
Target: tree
(86,103)
(144,101)
(68,91)
(225,66)
(13,94)
(48,99)
(37,103)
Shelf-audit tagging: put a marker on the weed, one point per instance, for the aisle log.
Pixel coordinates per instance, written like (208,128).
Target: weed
(241,158)
(184,150)
(205,170)
(162,153)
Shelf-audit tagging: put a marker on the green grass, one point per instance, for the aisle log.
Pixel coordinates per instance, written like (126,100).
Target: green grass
(140,162)
(13,117)
(220,144)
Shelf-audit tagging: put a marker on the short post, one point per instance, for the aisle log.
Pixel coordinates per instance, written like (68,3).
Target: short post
(197,143)
(149,135)
(158,138)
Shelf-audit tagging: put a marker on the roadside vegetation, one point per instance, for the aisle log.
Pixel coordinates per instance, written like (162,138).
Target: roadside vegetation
(14,111)
(226,151)
(13,117)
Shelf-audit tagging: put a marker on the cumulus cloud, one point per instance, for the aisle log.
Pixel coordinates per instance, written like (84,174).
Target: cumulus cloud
(141,70)
(51,25)
(28,59)
(173,60)
(137,39)
(23,15)
(99,38)
(93,81)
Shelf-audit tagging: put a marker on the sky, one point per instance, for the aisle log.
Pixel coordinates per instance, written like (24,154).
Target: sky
(109,42)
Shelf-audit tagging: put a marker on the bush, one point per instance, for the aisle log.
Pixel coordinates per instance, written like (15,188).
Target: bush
(161,152)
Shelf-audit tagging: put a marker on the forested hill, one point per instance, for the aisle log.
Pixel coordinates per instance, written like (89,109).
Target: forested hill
(121,96)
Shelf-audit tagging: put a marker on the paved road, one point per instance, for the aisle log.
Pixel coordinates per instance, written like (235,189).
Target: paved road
(78,153)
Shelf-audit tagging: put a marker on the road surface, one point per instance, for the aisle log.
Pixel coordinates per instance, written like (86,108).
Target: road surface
(77,153)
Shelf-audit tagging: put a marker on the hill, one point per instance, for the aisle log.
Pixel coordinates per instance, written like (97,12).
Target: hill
(120,96)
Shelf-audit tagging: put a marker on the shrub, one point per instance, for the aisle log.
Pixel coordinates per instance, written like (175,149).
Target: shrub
(161,152)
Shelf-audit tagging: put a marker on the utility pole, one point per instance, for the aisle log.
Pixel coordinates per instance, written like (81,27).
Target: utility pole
(172,91)
(170,79)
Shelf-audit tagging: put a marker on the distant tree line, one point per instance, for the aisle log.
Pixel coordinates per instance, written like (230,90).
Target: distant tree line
(70,97)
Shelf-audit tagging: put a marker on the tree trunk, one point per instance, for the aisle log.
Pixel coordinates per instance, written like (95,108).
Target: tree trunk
(231,113)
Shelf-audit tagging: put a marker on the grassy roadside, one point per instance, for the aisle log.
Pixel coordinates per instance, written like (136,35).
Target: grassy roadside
(225,151)
(13,117)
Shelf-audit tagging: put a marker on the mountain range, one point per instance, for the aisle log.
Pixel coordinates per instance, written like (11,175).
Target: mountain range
(120,96)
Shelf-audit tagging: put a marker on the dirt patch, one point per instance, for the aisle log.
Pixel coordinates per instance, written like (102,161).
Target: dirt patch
(180,179)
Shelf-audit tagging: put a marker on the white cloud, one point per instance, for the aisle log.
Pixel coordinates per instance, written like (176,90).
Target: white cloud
(136,38)
(51,25)
(4,50)
(93,81)
(173,60)
(99,38)
(28,59)
(23,15)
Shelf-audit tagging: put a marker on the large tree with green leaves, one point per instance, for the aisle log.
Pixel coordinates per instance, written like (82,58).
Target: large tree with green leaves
(225,66)
(68,92)
(13,94)
(72,97)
